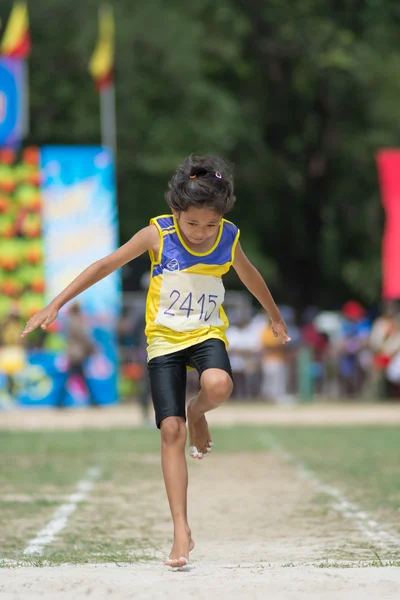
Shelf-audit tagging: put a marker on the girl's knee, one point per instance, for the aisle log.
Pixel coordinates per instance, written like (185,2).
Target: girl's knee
(173,430)
(217,385)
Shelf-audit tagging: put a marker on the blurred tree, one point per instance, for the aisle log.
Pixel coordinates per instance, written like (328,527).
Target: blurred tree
(321,99)
(299,95)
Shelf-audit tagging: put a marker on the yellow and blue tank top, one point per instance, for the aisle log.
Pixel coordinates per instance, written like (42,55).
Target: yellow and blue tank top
(184,301)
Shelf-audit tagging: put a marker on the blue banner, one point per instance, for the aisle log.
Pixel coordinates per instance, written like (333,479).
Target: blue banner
(80,225)
(11,101)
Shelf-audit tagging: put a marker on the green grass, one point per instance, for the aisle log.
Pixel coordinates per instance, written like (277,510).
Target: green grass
(362,461)
(38,469)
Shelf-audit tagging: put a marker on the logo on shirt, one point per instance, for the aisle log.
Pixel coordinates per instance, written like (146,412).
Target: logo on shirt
(172,265)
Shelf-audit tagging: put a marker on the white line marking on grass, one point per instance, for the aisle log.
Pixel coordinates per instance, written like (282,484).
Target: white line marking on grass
(62,514)
(368,526)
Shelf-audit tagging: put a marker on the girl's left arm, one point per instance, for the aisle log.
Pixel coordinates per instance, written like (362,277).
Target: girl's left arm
(254,282)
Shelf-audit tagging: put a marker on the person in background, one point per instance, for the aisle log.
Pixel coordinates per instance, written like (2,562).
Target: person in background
(275,368)
(329,324)
(79,348)
(384,344)
(317,341)
(289,315)
(141,344)
(257,325)
(243,354)
(392,371)
(12,348)
(352,348)
(126,339)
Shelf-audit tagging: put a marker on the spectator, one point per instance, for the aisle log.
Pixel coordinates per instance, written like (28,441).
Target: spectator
(244,356)
(133,341)
(318,343)
(352,347)
(289,315)
(385,345)
(79,348)
(12,351)
(126,336)
(141,341)
(392,373)
(274,368)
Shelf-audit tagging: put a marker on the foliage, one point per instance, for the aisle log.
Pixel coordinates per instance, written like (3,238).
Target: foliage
(299,95)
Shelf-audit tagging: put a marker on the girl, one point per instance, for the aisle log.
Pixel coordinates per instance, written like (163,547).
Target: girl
(190,250)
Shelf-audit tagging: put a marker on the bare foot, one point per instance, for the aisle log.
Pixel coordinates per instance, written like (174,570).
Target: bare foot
(179,556)
(199,434)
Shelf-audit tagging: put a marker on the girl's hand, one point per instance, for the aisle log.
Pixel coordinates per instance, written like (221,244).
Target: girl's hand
(280,330)
(43,319)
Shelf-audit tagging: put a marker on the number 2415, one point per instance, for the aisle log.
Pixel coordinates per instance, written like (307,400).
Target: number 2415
(187,304)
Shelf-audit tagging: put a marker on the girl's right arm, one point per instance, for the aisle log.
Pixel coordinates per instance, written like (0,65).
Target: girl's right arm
(143,240)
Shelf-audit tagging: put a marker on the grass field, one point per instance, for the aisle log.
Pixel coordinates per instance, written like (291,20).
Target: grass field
(318,496)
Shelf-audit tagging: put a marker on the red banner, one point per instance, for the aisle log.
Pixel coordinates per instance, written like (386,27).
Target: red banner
(389,175)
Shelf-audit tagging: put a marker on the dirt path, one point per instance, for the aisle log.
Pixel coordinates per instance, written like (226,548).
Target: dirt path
(255,507)
(229,414)
(207,581)
(243,507)
(259,529)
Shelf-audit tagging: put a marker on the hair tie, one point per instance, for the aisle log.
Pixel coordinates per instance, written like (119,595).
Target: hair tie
(218,174)
(192,176)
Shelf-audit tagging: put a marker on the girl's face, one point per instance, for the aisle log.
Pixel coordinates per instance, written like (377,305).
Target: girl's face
(198,224)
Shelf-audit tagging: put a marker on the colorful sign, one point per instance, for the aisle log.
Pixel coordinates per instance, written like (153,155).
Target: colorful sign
(389,173)
(50,235)
(11,101)
(80,226)
(80,223)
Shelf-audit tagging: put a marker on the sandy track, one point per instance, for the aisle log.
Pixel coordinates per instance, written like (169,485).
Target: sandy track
(259,528)
(256,581)
(229,414)
(244,507)
(259,533)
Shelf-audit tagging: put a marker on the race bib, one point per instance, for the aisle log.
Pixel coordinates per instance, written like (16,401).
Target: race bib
(189,301)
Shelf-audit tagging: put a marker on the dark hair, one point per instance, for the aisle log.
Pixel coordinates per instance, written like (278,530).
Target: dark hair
(202,181)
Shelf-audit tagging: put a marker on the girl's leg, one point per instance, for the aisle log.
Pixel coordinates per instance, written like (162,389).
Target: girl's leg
(173,460)
(215,387)
(211,361)
(168,387)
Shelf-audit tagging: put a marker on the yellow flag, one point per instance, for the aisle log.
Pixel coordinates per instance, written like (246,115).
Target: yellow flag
(101,65)
(16,39)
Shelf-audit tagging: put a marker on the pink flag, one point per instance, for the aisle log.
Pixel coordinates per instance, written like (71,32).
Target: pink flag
(389,175)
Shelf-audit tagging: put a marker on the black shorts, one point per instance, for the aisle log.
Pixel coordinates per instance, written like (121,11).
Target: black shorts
(168,375)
